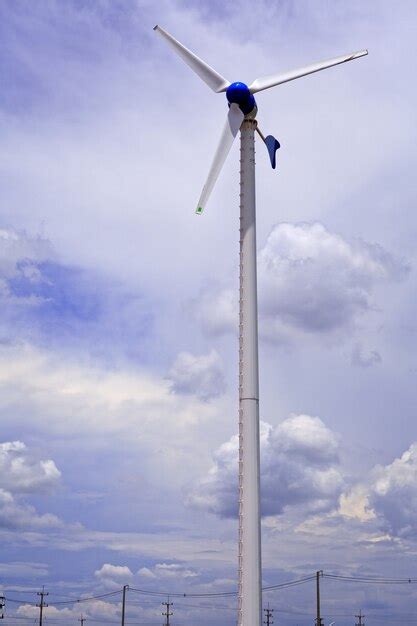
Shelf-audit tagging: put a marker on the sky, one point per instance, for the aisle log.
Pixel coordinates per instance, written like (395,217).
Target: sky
(118,316)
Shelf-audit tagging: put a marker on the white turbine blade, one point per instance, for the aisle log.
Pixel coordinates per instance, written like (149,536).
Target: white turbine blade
(230,130)
(266,82)
(214,80)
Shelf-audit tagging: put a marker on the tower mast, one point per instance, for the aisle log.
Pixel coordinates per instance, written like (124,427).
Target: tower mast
(249,590)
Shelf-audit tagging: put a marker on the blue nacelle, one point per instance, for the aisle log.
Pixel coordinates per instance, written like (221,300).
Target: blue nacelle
(240,94)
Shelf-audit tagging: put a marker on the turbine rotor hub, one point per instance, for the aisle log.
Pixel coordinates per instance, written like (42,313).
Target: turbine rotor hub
(239,94)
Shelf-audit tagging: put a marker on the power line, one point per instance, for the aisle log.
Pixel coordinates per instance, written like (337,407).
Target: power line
(66,618)
(291,583)
(358,579)
(28,602)
(73,601)
(115,595)
(372,579)
(25,590)
(220,594)
(87,599)
(214,607)
(183,594)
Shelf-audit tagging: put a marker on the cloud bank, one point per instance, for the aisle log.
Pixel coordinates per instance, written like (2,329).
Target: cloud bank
(311,281)
(22,474)
(200,375)
(299,466)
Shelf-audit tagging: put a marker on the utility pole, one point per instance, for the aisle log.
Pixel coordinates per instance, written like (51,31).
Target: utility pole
(42,604)
(269,617)
(125,588)
(167,613)
(360,618)
(82,619)
(319,621)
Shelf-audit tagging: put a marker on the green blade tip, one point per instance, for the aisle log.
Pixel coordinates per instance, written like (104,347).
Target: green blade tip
(199,210)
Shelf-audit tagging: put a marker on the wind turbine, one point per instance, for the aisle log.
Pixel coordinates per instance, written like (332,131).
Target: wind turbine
(241,116)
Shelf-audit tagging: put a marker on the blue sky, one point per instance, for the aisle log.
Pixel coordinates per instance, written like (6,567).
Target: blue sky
(118,348)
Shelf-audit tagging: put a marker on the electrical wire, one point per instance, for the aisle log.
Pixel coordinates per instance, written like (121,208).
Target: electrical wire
(221,594)
(372,579)
(291,583)
(176,594)
(60,602)
(60,618)
(103,595)
(111,596)
(7,599)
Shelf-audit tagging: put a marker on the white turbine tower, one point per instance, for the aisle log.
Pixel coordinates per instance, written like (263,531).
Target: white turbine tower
(241,116)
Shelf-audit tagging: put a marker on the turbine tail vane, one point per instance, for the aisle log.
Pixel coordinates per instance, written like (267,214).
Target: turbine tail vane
(272,145)
(230,130)
(212,78)
(266,82)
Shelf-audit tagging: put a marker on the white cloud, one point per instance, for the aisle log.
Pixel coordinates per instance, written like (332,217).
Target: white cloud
(393,494)
(315,281)
(17,515)
(199,375)
(18,251)
(362,357)
(310,281)
(113,576)
(174,570)
(167,570)
(18,569)
(20,256)
(21,473)
(97,609)
(217,311)
(98,399)
(355,504)
(120,412)
(299,466)
(145,572)
(387,496)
